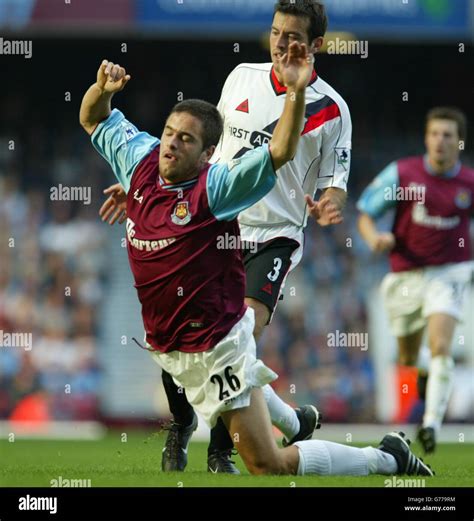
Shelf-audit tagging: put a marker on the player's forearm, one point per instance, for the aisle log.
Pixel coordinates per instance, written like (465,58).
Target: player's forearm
(95,107)
(367,229)
(284,142)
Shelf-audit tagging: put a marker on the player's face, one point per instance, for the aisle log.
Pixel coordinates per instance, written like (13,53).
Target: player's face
(442,141)
(285,30)
(181,153)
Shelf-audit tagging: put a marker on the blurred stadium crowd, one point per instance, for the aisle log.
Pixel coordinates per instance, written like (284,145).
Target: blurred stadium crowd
(51,284)
(53,274)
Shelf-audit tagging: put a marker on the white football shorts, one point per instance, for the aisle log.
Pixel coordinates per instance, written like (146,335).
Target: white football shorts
(221,378)
(410,297)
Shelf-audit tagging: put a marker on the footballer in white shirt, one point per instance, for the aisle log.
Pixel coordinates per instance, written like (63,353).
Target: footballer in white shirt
(250,104)
(272,231)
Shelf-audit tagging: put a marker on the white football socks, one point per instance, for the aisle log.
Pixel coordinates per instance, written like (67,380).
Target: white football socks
(283,416)
(380,462)
(438,390)
(424,358)
(326,458)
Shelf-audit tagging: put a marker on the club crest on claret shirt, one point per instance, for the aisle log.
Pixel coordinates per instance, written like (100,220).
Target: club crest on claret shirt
(463,199)
(181,214)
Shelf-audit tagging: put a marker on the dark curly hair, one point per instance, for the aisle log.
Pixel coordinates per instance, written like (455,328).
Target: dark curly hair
(312,9)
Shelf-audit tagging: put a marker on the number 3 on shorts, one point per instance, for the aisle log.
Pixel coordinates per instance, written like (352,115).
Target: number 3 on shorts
(274,274)
(231,380)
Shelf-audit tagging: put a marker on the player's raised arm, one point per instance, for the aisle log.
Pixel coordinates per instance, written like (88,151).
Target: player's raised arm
(296,69)
(116,139)
(95,106)
(237,185)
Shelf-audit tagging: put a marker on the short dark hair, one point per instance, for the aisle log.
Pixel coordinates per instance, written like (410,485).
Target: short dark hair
(451,113)
(208,115)
(314,10)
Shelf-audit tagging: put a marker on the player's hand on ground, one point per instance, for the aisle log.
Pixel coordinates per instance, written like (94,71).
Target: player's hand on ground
(296,66)
(325,212)
(115,207)
(382,242)
(111,77)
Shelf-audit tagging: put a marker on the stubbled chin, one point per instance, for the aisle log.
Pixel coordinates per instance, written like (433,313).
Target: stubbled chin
(168,176)
(165,171)
(167,165)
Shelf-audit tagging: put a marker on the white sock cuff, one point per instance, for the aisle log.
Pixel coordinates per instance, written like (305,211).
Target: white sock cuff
(380,462)
(301,465)
(442,362)
(372,463)
(314,458)
(438,390)
(267,392)
(424,358)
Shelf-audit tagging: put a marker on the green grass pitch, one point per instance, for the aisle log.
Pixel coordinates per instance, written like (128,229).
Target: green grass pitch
(111,462)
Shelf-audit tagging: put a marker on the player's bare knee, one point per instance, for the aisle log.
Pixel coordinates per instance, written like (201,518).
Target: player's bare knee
(260,467)
(439,347)
(268,463)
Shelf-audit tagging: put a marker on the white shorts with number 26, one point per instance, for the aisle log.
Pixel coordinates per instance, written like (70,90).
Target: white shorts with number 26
(221,378)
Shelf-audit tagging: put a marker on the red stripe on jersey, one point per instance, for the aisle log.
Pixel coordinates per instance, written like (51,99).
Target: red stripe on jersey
(316,120)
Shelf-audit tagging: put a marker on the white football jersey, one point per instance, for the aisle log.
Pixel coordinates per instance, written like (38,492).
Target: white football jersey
(251,103)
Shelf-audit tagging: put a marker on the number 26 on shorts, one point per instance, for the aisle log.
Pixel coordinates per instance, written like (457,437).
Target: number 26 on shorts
(231,381)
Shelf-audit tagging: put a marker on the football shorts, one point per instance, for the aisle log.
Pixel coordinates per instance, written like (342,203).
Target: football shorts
(410,297)
(266,270)
(220,379)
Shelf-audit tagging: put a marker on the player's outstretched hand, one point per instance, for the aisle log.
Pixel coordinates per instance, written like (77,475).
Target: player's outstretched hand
(325,212)
(296,66)
(111,77)
(383,242)
(115,207)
